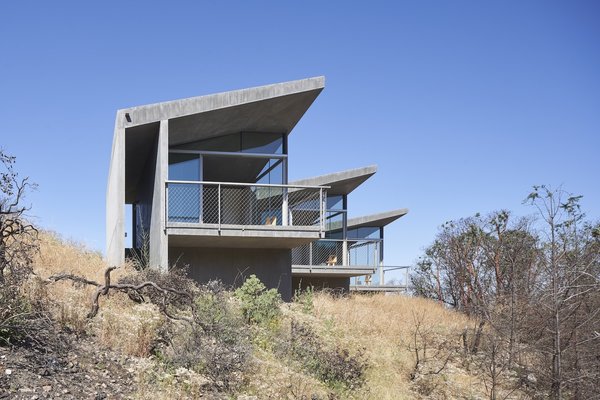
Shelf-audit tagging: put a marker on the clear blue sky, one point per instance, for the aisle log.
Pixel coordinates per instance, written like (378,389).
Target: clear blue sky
(462,105)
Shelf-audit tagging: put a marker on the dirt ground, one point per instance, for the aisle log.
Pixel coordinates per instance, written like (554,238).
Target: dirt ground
(63,367)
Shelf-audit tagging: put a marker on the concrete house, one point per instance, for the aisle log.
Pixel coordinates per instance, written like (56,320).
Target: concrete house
(206,180)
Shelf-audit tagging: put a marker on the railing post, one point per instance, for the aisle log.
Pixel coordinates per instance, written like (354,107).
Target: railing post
(166,204)
(345,253)
(310,254)
(219,205)
(285,208)
(321,210)
(382,272)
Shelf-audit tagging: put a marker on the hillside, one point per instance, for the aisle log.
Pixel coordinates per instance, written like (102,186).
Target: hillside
(367,345)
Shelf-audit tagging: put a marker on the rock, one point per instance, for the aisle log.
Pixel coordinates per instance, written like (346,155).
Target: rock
(8,371)
(46,388)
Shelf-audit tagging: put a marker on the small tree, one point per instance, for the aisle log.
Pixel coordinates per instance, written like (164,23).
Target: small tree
(17,246)
(259,305)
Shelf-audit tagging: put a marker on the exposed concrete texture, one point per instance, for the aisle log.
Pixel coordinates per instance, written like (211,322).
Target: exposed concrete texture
(158,235)
(115,199)
(318,283)
(233,266)
(342,182)
(238,238)
(380,219)
(301,92)
(341,271)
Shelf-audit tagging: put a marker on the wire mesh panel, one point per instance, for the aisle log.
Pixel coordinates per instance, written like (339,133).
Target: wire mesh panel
(363,252)
(304,207)
(184,202)
(301,255)
(243,204)
(328,252)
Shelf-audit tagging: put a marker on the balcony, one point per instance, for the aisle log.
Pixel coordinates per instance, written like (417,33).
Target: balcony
(343,258)
(243,215)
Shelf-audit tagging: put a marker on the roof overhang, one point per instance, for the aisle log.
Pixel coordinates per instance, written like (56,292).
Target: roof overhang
(340,183)
(270,108)
(377,220)
(275,108)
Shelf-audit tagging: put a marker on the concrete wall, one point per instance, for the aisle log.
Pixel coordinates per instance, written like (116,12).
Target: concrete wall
(158,236)
(115,199)
(318,283)
(232,266)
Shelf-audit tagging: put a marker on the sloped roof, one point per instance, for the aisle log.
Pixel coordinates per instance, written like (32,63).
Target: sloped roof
(342,182)
(271,108)
(379,220)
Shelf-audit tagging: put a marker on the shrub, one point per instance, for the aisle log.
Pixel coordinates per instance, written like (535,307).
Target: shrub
(259,305)
(215,343)
(14,315)
(305,298)
(335,367)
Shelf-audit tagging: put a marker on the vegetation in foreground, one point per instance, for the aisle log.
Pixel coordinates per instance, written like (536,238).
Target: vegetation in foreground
(71,327)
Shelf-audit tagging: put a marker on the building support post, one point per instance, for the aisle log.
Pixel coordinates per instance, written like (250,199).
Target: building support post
(159,245)
(115,199)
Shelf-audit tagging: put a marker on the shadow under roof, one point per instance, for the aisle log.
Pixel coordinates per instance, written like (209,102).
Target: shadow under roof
(340,183)
(378,220)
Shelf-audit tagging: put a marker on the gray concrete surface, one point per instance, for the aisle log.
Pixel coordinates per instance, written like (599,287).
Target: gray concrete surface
(158,233)
(233,266)
(379,219)
(342,182)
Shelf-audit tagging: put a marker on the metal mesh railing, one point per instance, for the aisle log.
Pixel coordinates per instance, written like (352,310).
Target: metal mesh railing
(244,204)
(331,252)
(364,252)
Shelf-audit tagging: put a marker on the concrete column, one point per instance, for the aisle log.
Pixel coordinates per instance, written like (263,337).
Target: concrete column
(159,244)
(115,199)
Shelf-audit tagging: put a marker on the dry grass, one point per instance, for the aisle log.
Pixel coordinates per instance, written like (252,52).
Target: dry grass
(121,325)
(382,325)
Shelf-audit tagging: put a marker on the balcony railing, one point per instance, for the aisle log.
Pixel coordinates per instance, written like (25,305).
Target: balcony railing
(244,204)
(332,252)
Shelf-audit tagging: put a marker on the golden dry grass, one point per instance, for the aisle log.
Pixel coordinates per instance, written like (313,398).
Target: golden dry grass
(382,325)
(120,325)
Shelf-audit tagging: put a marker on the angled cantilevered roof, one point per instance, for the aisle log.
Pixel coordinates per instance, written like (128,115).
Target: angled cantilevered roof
(380,219)
(342,182)
(273,108)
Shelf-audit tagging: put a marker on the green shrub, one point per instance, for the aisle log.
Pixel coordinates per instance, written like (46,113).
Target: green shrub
(305,298)
(259,305)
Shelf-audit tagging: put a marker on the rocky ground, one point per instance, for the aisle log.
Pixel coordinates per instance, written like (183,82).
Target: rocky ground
(65,368)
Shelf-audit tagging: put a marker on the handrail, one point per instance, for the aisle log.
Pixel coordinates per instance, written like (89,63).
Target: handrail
(290,204)
(247,184)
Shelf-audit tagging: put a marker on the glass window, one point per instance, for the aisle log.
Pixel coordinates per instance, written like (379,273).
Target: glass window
(370,232)
(228,143)
(242,169)
(335,202)
(259,142)
(184,167)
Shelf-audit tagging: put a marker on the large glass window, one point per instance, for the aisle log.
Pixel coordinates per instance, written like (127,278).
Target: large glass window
(335,202)
(265,143)
(185,200)
(246,142)
(367,232)
(242,169)
(184,167)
